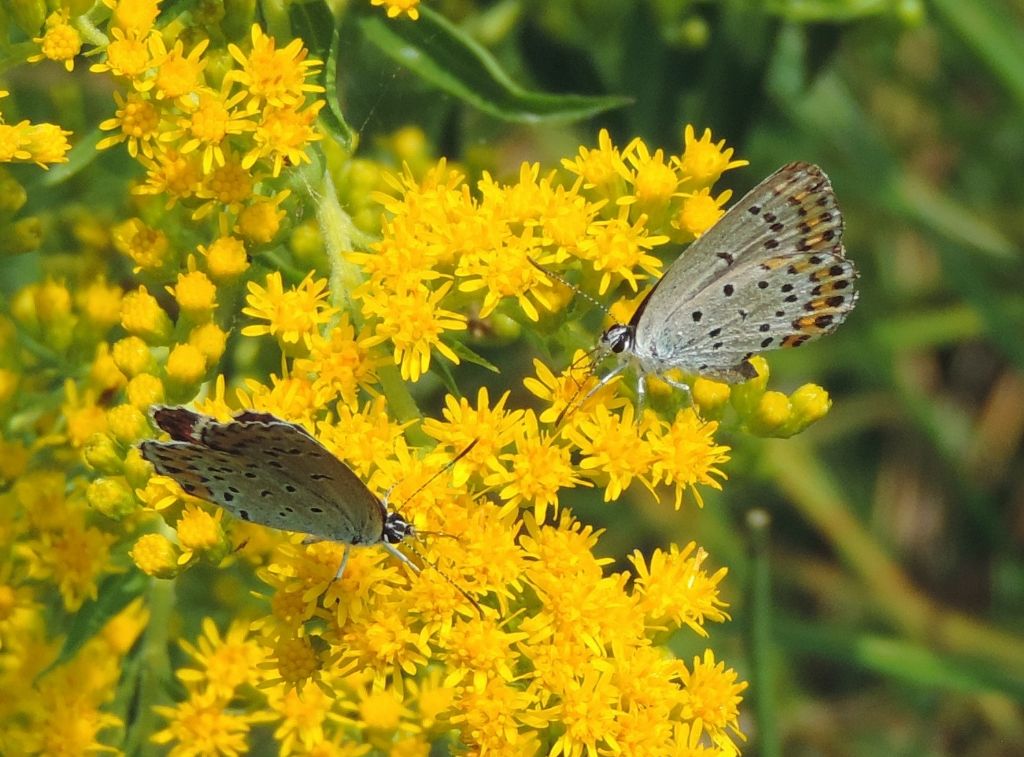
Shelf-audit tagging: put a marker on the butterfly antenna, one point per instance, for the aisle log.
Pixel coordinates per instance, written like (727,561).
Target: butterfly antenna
(447,467)
(449,579)
(568,284)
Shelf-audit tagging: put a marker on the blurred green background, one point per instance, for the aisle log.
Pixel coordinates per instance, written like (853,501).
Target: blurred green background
(876,571)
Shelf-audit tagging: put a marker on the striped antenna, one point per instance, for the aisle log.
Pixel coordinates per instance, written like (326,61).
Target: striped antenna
(445,576)
(447,467)
(394,550)
(568,284)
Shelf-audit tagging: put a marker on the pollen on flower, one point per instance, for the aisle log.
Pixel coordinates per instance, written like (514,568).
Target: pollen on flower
(196,295)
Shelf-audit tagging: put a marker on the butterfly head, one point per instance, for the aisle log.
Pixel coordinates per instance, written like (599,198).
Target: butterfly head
(619,338)
(396,528)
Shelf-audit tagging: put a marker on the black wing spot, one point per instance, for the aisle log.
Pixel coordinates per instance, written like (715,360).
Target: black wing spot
(762,285)
(696,315)
(792,298)
(320,477)
(229,497)
(317,510)
(766,341)
(244,515)
(836,301)
(290,489)
(836,270)
(823,321)
(771,244)
(250,474)
(787,288)
(780,313)
(815,259)
(716,346)
(755,210)
(275,464)
(770,217)
(777,227)
(266,493)
(714,332)
(728,289)
(763,328)
(841,284)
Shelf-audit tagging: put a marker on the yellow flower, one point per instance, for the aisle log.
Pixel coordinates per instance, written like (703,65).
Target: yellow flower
(413,321)
(703,162)
(205,724)
(274,77)
(177,75)
(489,429)
(396,8)
(156,556)
(674,586)
(196,295)
(224,663)
(533,474)
(291,315)
(209,121)
(142,316)
(699,212)
(226,258)
(127,57)
(139,121)
(602,169)
(616,248)
(686,455)
(61,42)
(711,697)
(614,448)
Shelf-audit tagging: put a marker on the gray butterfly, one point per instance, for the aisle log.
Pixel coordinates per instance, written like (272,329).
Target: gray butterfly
(268,471)
(771,273)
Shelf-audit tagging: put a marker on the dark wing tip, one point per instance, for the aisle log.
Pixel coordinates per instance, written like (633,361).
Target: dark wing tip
(181,423)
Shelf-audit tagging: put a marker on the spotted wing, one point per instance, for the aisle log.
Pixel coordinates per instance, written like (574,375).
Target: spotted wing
(271,472)
(771,273)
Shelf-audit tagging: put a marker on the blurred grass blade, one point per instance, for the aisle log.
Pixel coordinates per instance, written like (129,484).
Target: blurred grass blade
(451,60)
(113,595)
(900,660)
(993,34)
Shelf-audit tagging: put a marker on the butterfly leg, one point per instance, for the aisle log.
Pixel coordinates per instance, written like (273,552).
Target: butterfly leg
(600,385)
(684,388)
(344,562)
(394,550)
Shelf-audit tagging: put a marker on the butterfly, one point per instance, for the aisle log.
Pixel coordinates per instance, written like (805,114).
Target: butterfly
(268,471)
(771,273)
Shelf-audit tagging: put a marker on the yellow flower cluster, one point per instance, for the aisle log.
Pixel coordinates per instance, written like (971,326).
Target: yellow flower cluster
(555,653)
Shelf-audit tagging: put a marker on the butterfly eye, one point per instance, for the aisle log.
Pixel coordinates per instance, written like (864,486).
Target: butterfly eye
(618,338)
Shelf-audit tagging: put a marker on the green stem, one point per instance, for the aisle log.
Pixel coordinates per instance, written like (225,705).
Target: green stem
(762,644)
(155,673)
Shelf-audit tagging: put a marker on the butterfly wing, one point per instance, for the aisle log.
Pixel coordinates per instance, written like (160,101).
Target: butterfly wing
(271,472)
(771,273)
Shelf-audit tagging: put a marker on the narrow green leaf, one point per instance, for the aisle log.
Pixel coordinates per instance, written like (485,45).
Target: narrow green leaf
(316,25)
(451,60)
(114,595)
(467,354)
(440,367)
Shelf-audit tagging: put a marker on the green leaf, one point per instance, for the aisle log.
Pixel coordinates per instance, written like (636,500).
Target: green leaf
(465,353)
(113,596)
(315,24)
(448,58)
(440,367)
